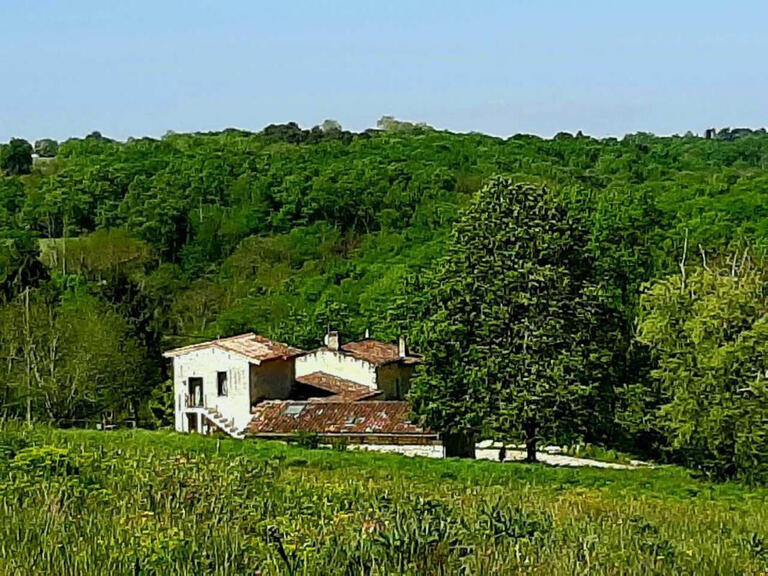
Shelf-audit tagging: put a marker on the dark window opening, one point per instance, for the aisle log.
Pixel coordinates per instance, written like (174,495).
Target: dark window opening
(301,391)
(221,383)
(195,396)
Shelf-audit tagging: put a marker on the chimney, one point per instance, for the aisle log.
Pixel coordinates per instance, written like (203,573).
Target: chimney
(367,334)
(402,347)
(332,340)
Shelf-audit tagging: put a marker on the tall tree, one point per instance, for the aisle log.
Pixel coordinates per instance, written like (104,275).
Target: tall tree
(70,359)
(514,335)
(707,329)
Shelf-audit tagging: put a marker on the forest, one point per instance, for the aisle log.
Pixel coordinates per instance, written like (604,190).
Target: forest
(571,289)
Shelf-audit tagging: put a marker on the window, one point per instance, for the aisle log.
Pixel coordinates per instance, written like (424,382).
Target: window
(293,410)
(221,383)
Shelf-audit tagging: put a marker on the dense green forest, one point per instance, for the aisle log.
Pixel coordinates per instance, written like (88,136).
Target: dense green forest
(113,251)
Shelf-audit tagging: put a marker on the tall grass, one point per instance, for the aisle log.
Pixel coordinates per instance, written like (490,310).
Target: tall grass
(76,502)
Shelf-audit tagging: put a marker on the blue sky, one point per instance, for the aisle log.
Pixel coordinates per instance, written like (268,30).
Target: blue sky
(139,67)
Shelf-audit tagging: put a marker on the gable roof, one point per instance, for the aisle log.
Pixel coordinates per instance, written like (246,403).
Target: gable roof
(340,388)
(376,352)
(278,417)
(252,346)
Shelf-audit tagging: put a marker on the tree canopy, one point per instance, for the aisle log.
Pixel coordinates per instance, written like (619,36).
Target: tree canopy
(514,330)
(286,230)
(16,157)
(707,327)
(46,147)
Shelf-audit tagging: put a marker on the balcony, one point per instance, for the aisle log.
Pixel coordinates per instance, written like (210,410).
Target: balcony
(193,400)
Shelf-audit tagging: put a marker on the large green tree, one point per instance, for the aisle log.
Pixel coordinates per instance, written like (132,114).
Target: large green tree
(68,359)
(16,157)
(707,329)
(515,331)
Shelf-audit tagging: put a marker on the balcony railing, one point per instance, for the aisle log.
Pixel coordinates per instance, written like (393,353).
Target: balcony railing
(193,401)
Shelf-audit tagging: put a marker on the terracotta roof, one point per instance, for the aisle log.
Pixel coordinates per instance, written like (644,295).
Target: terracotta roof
(277,417)
(255,348)
(377,352)
(340,388)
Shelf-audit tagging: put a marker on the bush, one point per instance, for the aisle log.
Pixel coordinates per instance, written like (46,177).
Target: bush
(306,439)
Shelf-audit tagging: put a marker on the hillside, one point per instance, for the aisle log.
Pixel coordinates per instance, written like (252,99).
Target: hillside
(115,251)
(141,502)
(260,231)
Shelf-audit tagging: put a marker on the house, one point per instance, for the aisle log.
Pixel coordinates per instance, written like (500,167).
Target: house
(250,386)
(379,366)
(215,383)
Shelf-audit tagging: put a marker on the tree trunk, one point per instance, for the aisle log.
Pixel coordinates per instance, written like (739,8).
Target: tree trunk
(530,440)
(459,445)
(27,356)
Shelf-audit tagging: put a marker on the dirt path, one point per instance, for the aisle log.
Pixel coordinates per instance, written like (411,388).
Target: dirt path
(553,459)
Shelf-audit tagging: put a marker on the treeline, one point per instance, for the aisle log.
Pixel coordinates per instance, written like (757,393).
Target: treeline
(112,251)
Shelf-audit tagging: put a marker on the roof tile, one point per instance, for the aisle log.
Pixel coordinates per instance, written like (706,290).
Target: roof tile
(366,417)
(377,352)
(340,388)
(250,345)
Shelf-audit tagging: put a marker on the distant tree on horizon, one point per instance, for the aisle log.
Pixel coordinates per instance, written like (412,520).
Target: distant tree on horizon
(330,125)
(16,157)
(46,147)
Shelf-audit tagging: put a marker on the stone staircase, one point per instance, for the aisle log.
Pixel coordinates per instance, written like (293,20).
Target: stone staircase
(225,425)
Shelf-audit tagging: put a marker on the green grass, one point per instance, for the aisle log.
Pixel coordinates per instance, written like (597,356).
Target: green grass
(600,453)
(86,502)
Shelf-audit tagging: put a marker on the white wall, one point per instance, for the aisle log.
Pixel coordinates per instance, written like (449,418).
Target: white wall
(388,377)
(205,364)
(425,450)
(337,364)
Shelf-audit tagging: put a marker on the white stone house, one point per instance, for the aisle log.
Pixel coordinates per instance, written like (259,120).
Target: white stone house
(248,385)
(215,383)
(379,366)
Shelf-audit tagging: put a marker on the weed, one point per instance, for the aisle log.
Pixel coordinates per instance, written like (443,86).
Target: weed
(139,502)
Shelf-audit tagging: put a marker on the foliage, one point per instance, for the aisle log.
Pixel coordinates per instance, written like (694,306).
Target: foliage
(46,148)
(390,123)
(599,453)
(69,359)
(307,439)
(515,333)
(16,157)
(79,502)
(289,230)
(708,329)
(96,255)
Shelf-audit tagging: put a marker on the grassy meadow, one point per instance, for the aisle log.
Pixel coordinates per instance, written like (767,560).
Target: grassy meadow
(140,502)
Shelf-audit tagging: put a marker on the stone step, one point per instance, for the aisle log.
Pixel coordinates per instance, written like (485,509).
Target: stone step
(227,427)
